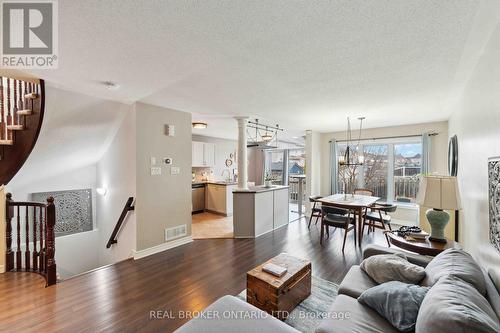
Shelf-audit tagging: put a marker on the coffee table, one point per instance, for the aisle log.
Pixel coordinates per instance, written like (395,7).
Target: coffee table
(422,246)
(278,296)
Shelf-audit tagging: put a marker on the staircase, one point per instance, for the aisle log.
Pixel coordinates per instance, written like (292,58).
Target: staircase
(34,247)
(21,115)
(29,226)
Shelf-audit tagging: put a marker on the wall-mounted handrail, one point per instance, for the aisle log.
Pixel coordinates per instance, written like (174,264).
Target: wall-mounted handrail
(128,207)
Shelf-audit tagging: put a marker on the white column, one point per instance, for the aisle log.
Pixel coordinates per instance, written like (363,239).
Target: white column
(242,153)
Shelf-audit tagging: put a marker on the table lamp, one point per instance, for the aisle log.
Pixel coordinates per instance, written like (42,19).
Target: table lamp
(440,193)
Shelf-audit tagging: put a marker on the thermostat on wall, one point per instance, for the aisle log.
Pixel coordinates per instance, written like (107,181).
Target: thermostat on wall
(168,160)
(169,130)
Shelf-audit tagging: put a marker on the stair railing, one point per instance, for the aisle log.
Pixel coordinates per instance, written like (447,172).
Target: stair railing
(34,223)
(127,208)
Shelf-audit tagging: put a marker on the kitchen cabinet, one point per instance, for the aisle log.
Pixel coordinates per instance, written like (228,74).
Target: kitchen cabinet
(219,198)
(197,153)
(203,154)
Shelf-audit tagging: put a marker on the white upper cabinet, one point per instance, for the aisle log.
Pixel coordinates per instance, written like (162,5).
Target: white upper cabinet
(203,154)
(197,151)
(209,154)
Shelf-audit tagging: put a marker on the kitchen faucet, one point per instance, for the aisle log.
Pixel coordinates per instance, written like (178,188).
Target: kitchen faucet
(228,174)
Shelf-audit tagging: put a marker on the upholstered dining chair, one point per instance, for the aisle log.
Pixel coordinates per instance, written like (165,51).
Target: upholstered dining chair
(379,218)
(315,210)
(337,218)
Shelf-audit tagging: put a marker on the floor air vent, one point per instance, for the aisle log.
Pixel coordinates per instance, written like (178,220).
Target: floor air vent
(175,232)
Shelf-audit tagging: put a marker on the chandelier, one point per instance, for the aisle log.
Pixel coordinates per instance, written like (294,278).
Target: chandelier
(351,159)
(351,156)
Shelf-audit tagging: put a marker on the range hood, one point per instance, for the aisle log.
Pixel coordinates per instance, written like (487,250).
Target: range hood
(260,145)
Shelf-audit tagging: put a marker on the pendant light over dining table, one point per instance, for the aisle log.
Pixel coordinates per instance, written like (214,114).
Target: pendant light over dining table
(351,158)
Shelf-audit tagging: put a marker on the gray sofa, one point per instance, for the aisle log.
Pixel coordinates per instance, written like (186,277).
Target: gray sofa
(458,286)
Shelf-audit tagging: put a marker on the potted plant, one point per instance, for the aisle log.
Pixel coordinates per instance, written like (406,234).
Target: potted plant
(268,180)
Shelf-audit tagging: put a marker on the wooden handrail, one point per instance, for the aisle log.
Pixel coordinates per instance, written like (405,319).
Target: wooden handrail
(128,207)
(39,220)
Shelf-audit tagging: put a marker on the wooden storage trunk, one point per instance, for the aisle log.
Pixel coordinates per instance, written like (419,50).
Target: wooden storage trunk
(278,296)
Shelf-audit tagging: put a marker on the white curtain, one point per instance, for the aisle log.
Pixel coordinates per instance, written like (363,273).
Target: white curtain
(426,153)
(334,166)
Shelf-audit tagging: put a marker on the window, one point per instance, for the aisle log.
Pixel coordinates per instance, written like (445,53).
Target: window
(274,165)
(391,170)
(407,168)
(375,170)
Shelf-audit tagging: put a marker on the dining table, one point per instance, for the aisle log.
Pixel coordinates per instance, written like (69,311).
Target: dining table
(353,202)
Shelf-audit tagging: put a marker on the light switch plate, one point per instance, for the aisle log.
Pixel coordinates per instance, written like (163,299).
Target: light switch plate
(156,171)
(175,170)
(153,160)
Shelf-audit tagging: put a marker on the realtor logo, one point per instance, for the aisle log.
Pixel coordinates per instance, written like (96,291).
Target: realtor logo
(29,34)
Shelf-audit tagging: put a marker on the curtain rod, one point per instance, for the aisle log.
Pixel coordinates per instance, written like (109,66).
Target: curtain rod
(389,137)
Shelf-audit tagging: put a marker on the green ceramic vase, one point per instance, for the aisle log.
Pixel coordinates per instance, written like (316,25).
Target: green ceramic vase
(438,219)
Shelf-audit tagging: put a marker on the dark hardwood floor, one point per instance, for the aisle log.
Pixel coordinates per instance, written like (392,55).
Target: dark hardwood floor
(119,298)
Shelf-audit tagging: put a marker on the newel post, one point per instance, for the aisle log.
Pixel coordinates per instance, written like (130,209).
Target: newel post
(50,242)
(9,213)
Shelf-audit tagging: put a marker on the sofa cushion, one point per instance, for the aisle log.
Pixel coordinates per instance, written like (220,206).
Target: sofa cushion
(397,302)
(347,315)
(355,282)
(453,305)
(230,314)
(492,294)
(392,267)
(417,259)
(457,263)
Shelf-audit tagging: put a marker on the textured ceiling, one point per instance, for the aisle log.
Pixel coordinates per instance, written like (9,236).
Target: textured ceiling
(304,64)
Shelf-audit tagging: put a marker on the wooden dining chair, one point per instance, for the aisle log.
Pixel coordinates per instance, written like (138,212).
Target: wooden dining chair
(363,191)
(377,217)
(315,211)
(337,218)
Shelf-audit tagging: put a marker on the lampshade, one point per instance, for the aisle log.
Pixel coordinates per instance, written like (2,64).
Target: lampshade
(439,192)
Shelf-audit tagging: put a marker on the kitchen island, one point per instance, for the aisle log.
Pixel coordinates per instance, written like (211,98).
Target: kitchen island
(259,210)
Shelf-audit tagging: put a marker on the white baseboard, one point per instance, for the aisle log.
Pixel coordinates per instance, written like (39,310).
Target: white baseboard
(162,247)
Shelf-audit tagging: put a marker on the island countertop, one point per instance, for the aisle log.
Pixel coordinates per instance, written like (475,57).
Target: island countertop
(222,183)
(259,189)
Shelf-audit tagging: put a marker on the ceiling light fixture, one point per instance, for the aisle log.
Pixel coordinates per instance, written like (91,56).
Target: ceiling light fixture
(351,159)
(110,85)
(266,137)
(199,125)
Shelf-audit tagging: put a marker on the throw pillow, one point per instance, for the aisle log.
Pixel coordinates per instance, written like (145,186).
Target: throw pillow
(392,267)
(457,263)
(453,305)
(397,302)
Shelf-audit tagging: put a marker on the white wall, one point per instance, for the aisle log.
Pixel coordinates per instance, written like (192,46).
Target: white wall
(476,122)
(76,132)
(162,201)
(69,249)
(223,148)
(116,172)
